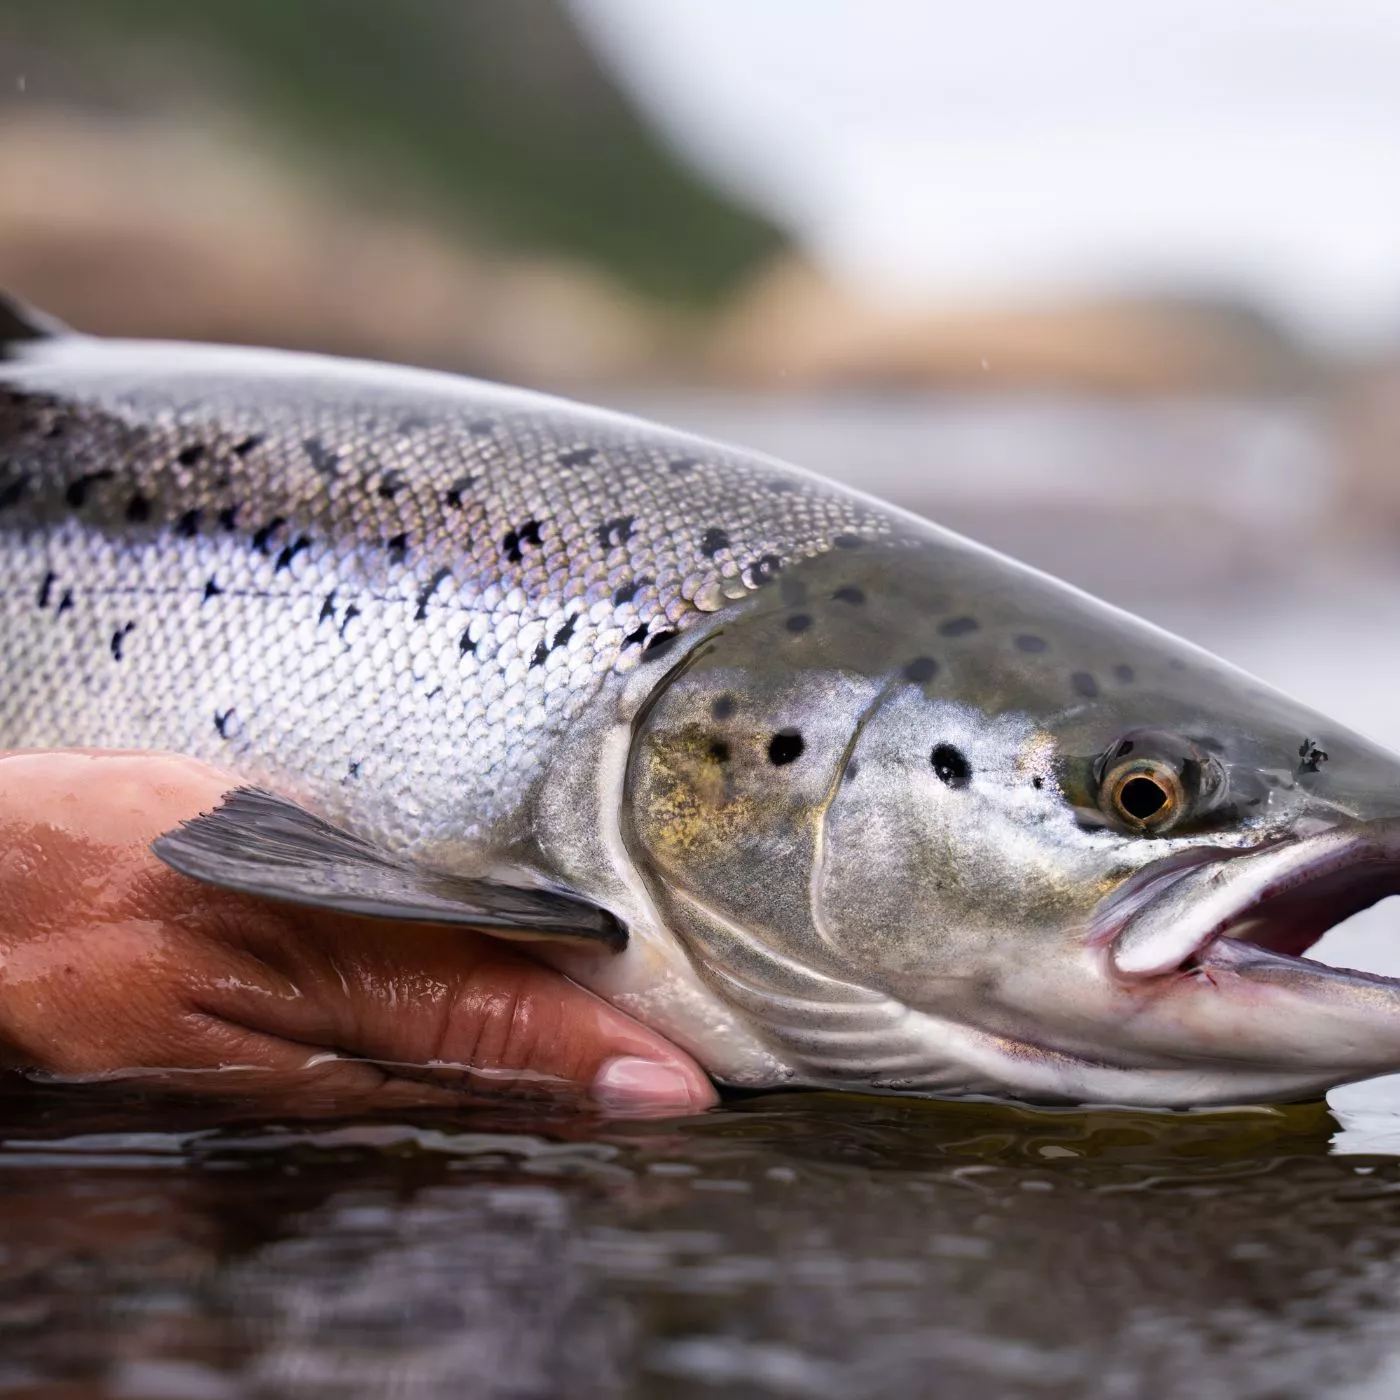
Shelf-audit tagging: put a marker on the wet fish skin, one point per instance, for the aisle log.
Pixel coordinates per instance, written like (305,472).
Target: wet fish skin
(840,774)
(263,560)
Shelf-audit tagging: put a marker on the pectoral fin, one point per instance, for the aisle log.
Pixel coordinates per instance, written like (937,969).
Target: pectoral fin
(262,844)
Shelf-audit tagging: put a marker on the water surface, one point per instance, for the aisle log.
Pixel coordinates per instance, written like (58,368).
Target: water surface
(794,1245)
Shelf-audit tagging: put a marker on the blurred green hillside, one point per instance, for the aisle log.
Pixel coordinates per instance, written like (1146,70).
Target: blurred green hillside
(492,111)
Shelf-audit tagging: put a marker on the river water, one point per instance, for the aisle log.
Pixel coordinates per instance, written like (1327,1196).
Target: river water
(793,1245)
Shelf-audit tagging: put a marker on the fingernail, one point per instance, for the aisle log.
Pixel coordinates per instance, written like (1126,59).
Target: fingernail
(631,1084)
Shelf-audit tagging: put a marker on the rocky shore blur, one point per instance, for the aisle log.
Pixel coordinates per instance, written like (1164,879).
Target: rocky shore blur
(463,186)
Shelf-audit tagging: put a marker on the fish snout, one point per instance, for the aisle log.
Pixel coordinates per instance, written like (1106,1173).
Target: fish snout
(1207,952)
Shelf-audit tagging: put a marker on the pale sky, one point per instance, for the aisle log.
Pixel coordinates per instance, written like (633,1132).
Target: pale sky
(1000,150)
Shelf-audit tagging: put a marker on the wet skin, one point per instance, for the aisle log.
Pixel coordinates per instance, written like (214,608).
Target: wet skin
(110,963)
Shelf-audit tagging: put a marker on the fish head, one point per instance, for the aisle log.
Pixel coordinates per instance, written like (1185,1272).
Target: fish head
(942,824)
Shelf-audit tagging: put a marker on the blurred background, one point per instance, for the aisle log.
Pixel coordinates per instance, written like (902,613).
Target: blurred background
(1114,288)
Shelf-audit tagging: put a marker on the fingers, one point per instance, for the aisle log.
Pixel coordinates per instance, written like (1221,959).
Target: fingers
(114,963)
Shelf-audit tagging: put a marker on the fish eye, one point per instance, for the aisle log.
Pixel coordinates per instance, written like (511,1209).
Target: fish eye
(1145,795)
(1149,781)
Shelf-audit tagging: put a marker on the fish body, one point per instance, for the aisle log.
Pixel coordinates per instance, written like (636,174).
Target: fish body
(871,806)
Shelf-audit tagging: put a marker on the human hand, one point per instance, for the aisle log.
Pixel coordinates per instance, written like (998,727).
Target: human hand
(112,965)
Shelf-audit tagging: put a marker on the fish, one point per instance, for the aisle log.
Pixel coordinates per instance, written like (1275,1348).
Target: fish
(826,794)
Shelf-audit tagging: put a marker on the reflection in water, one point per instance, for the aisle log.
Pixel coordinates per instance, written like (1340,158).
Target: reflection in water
(803,1245)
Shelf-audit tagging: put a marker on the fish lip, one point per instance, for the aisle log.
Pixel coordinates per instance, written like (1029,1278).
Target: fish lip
(1311,885)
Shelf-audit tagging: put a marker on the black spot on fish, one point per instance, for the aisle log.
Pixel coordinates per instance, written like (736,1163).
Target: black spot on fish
(719,751)
(390,484)
(454,492)
(1028,642)
(187,526)
(324,461)
(465,644)
(228,517)
(636,637)
(854,596)
(785,747)
(192,455)
(565,634)
(354,768)
(221,722)
(211,590)
(852,769)
(628,591)
(482,426)
(263,537)
(13,491)
(921,669)
(1084,684)
(290,552)
(1124,675)
(55,430)
(351,613)
(46,588)
(579,457)
(138,509)
(327,608)
(77,492)
(1037,782)
(427,591)
(659,644)
(119,639)
(682,465)
(247,444)
(397,546)
(612,533)
(65,603)
(1312,758)
(517,539)
(767,568)
(713,540)
(538,659)
(723,707)
(848,541)
(798,623)
(959,626)
(950,766)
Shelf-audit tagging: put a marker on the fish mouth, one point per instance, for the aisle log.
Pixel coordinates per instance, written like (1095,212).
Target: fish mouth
(1205,905)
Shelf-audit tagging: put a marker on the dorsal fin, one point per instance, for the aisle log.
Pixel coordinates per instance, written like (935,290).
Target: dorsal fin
(19,322)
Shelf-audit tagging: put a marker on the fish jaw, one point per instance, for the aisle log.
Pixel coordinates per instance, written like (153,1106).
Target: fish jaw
(1202,964)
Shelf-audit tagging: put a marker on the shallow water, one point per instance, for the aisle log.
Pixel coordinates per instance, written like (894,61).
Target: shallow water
(797,1245)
